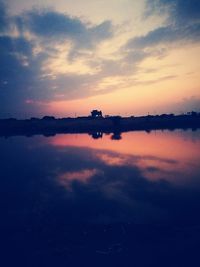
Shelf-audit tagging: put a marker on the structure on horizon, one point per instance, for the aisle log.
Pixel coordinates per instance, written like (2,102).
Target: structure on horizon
(96,113)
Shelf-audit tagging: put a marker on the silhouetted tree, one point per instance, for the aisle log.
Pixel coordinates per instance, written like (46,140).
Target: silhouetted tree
(48,118)
(116,120)
(96,114)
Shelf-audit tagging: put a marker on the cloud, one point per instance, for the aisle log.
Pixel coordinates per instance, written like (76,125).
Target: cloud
(179,11)
(3,17)
(20,76)
(182,26)
(26,78)
(48,56)
(28,45)
(166,35)
(57,27)
(187,104)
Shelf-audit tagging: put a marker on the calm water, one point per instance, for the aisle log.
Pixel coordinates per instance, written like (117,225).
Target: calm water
(75,200)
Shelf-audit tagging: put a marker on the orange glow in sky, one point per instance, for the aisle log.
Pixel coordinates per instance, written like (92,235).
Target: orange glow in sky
(123,57)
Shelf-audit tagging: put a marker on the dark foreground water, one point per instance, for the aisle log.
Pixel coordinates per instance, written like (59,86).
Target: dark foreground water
(73,200)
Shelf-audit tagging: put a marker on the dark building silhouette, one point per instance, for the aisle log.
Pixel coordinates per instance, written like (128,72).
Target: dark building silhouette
(96,113)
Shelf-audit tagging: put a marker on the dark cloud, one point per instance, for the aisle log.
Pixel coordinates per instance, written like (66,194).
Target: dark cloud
(179,11)
(187,104)
(20,76)
(12,73)
(166,35)
(3,17)
(58,27)
(24,82)
(182,26)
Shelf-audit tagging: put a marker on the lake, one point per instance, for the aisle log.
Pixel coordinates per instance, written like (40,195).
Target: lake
(130,199)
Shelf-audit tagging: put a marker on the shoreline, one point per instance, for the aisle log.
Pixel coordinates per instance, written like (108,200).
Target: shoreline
(50,126)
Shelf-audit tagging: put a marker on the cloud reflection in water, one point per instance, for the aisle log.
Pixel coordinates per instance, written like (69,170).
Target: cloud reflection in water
(67,197)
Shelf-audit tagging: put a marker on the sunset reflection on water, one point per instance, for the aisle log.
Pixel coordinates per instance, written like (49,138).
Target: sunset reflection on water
(172,156)
(78,198)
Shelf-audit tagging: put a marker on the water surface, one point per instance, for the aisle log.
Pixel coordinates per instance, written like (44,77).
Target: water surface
(126,200)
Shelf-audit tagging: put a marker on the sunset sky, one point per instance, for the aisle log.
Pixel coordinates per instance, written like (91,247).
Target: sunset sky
(127,57)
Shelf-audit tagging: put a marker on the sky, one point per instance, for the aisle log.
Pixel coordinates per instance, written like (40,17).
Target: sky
(127,57)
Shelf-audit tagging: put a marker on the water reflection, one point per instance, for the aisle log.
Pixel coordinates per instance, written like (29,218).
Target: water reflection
(96,135)
(116,136)
(72,195)
(160,155)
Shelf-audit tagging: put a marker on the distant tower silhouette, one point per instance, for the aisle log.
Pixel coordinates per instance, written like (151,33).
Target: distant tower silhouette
(96,114)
